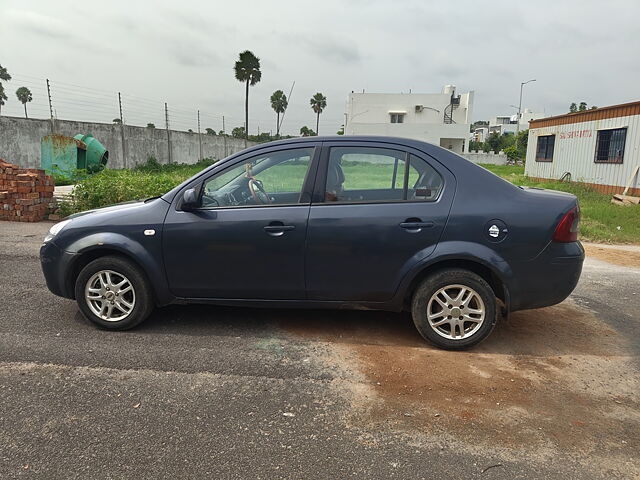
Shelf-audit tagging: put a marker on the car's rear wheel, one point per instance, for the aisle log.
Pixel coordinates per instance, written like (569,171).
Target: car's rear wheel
(454,309)
(113,293)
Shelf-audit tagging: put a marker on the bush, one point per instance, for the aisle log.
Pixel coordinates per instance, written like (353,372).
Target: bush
(116,186)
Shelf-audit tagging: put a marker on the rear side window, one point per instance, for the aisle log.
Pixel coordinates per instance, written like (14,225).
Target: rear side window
(373,175)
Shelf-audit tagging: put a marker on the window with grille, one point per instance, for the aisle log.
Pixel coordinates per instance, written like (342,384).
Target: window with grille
(610,145)
(544,149)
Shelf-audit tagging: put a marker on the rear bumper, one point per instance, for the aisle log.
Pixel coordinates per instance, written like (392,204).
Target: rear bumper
(55,264)
(549,278)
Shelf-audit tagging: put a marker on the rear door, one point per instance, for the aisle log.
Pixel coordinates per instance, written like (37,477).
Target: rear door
(377,209)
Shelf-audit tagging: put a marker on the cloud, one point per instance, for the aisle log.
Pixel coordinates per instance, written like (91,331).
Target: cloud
(328,49)
(42,25)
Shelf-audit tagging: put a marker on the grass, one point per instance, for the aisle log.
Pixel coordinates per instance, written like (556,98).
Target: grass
(601,220)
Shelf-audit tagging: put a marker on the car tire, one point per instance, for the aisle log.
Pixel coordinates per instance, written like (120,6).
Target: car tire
(451,324)
(114,293)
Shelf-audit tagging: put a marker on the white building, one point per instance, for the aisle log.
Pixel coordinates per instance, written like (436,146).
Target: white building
(509,123)
(439,118)
(600,147)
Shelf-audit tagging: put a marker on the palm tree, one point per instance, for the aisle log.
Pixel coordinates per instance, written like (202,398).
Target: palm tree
(318,104)
(24,95)
(279,104)
(247,70)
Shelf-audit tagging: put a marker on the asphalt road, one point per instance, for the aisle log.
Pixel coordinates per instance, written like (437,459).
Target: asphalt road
(239,393)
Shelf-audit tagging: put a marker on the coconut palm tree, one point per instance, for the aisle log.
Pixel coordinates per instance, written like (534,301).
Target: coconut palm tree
(318,104)
(279,104)
(24,95)
(247,70)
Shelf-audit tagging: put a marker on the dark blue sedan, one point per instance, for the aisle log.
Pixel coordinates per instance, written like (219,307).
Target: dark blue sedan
(332,222)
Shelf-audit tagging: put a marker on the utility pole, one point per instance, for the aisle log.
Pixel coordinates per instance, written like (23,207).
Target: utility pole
(224,131)
(522,84)
(166,121)
(122,136)
(199,135)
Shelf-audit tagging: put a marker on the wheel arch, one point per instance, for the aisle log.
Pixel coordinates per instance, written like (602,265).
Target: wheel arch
(479,268)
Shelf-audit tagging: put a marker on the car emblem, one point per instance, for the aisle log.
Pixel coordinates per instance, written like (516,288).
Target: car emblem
(494,231)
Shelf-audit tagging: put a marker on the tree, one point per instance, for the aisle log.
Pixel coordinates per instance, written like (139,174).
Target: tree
(190,131)
(593,107)
(521,141)
(24,96)
(247,70)
(116,120)
(496,142)
(150,125)
(3,97)
(279,104)
(307,132)
(238,132)
(582,107)
(211,131)
(318,104)
(4,75)
(573,108)
(341,131)
(222,133)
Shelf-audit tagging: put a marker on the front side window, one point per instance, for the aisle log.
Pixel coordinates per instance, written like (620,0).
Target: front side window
(610,145)
(544,148)
(397,117)
(372,175)
(275,178)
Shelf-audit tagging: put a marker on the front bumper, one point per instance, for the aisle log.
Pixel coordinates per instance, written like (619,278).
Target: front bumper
(549,278)
(56,264)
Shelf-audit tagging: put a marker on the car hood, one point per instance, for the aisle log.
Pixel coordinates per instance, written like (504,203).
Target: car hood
(113,208)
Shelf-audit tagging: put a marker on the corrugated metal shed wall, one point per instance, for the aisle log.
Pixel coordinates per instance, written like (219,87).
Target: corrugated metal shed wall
(574,152)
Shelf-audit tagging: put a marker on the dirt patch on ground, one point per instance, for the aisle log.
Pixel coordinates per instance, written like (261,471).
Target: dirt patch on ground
(546,381)
(617,256)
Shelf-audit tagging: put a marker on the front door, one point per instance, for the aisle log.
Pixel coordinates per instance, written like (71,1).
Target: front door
(380,211)
(246,241)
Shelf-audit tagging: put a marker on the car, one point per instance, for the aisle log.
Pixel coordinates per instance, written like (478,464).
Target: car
(327,222)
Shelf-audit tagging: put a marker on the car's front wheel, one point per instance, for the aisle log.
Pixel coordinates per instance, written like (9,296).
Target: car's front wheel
(113,293)
(454,309)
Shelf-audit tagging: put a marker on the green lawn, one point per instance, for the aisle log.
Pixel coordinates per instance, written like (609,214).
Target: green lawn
(602,221)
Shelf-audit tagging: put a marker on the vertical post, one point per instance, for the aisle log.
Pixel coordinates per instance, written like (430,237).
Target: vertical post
(122,135)
(53,121)
(224,130)
(49,95)
(166,120)
(199,135)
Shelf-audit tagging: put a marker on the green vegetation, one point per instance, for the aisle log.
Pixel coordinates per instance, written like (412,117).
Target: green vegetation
(602,221)
(247,71)
(318,103)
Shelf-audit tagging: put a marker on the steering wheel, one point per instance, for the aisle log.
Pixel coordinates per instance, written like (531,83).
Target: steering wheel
(258,192)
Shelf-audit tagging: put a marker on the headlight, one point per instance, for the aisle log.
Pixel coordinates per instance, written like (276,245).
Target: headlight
(53,231)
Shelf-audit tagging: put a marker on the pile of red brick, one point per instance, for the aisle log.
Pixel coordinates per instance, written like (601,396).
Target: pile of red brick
(25,193)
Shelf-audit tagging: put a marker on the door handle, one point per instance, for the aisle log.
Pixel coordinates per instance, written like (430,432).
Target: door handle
(276,229)
(415,224)
(279,228)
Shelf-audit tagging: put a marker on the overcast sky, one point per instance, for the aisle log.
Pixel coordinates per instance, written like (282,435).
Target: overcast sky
(183,53)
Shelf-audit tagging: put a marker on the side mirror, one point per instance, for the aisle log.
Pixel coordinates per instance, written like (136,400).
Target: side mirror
(189,200)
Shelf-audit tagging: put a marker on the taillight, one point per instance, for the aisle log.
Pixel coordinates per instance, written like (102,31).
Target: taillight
(567,229)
